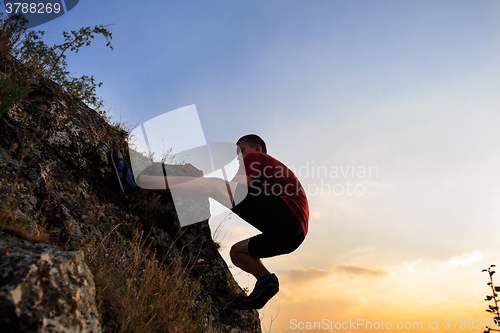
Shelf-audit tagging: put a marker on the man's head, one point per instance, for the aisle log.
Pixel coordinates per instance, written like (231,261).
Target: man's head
(251,143)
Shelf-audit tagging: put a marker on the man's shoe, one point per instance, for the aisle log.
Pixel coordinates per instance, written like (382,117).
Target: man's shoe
(265,288)
(124,173)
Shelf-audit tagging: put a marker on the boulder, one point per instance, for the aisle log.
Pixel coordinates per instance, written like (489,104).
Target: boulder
(49,292)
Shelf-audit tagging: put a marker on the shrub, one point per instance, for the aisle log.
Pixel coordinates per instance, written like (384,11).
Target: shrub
(31,51)
(493,309)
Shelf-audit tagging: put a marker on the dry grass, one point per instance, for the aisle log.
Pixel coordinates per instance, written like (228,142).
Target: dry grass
(10,36)
(13,83)
(137,293)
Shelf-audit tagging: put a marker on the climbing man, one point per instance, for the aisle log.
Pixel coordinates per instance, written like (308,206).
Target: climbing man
(265,193)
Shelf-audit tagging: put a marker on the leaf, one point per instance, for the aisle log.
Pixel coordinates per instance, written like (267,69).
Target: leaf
(484,270)
(497,288)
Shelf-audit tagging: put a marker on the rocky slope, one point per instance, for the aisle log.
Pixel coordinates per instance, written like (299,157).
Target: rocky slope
(63,216)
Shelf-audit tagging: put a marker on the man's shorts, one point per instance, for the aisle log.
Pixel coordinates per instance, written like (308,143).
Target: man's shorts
(282,232)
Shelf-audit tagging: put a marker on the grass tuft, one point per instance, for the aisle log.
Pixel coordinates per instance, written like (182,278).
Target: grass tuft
(138,292)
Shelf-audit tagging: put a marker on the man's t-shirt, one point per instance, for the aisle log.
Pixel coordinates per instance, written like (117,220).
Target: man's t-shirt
(273,177)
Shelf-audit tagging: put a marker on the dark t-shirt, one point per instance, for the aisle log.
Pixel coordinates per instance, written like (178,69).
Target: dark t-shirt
(273,177)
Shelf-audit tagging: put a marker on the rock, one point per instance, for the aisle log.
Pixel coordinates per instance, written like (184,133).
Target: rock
(51,292)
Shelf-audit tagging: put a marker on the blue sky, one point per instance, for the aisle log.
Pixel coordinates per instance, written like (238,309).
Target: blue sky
(276,59)
(409,87)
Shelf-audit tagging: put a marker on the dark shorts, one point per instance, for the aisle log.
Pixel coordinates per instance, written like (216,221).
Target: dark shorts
(282,232)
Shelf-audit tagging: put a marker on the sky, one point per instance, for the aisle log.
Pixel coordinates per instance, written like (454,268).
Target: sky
(388,111)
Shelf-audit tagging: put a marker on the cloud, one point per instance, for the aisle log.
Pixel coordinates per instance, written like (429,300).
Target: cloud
(463,260)
(303,276)
(360,271)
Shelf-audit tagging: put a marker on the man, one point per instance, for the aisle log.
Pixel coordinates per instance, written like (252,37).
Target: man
(264,193)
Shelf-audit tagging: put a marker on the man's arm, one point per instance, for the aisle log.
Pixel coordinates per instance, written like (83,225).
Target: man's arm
(191,187)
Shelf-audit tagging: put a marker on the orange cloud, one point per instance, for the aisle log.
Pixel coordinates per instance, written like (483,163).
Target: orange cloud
(360,271)
(299,275)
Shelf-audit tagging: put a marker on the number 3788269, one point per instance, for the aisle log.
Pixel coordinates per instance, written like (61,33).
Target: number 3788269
(32,8)
(470,324)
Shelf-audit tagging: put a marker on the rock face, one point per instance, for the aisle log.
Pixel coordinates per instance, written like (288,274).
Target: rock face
(50,292)
(54,156)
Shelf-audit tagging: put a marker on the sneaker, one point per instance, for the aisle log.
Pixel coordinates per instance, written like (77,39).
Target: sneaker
(265,288)
(124,173)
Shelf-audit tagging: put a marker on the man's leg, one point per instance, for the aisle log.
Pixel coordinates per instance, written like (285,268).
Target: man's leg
(242,259)
(267,284)
(193,187)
